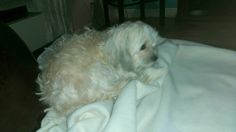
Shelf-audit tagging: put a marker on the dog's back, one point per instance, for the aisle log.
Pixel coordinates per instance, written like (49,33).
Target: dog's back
(74,69)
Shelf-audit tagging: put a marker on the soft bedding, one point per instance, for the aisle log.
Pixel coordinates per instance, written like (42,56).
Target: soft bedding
(195,92)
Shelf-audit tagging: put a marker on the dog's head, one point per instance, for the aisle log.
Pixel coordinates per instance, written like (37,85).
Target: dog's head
(132,44)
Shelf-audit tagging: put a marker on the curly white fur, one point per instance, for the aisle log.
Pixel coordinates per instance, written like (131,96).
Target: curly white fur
(95,65)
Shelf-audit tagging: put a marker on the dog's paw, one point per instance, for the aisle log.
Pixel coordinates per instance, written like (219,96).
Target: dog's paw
(151,75)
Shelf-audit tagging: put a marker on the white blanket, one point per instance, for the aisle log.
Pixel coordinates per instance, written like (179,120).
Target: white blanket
(196,92)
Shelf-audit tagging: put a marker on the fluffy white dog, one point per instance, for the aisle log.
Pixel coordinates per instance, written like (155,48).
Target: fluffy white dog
(95,65)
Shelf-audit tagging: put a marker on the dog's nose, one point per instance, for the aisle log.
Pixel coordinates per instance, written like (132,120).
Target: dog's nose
(154,58)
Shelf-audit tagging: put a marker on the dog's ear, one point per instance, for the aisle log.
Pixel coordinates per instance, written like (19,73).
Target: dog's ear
(118,55)
(126,61)
(111,50)
(117,49)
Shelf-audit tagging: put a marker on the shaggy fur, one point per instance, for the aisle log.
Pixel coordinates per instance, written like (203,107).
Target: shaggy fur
(95,65)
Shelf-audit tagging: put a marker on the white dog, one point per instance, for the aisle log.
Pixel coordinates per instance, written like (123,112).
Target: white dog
(95,65)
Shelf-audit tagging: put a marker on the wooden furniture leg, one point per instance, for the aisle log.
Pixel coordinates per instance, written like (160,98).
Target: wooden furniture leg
(162,12)
(106,12)
(121,11)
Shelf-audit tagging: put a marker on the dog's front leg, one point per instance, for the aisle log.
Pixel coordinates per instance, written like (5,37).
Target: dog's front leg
(151,75)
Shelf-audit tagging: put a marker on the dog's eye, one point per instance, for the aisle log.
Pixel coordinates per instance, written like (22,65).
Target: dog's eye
(143,47)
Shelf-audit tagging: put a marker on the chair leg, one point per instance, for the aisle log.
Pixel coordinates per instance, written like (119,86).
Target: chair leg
(142,10)
(162,12)
(106,12)
(121,11)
